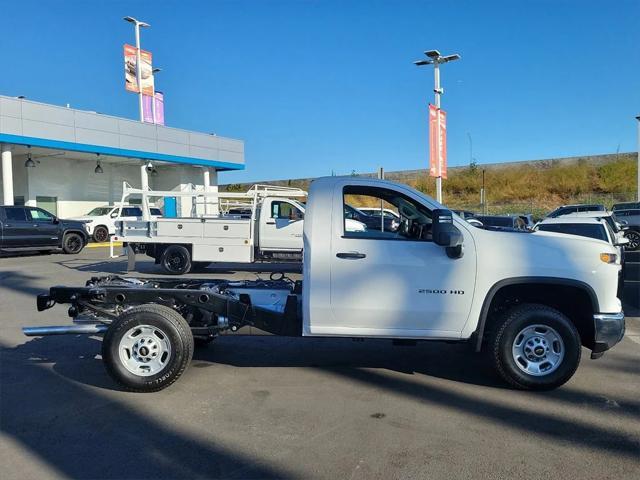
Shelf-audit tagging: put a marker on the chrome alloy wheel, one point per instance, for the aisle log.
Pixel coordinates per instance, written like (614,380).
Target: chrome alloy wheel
(538,350)
(144,350)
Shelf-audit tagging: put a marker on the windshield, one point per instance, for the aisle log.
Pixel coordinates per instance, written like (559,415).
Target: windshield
(612,224)
(96,212)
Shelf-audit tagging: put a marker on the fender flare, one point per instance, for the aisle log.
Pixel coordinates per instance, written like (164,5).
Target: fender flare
(85,237)
(565,282)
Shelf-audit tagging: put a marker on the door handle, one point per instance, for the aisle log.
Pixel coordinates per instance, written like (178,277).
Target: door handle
(351,255)
(270,222)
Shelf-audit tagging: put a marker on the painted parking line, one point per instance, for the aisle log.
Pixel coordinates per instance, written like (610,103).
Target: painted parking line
(103,244)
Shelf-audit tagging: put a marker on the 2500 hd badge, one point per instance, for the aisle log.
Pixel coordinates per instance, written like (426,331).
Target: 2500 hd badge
(442,292)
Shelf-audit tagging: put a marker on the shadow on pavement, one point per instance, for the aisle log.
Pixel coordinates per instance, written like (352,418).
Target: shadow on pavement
(19,282)
(84,419)
(83,434)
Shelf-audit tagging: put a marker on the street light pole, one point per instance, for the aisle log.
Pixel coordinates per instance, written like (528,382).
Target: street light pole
(153,98)
(436,59)
(137,24)
(638,186)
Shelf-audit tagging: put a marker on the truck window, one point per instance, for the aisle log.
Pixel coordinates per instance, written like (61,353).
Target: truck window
(413,221)
(39,215)
(15,214)
(131,212)
(285,210)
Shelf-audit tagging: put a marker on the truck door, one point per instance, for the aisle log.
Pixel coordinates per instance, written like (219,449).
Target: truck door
(46,231)
(395,283)
(17,231)
(280,225)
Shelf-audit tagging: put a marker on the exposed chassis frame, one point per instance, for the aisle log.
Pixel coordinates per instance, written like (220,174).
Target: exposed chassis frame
(106,298)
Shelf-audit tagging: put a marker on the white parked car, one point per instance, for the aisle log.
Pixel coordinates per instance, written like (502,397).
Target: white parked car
(615,225)
(387,212)
(584,226)
(100,221)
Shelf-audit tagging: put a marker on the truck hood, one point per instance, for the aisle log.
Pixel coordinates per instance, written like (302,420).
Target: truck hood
(539,253)
(86,218)
(72,223)
(565,236)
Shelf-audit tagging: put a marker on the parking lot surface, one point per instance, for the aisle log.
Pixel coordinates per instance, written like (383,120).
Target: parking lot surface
(269,407)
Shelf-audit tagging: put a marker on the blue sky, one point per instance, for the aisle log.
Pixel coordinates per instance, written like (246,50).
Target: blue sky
(320,86)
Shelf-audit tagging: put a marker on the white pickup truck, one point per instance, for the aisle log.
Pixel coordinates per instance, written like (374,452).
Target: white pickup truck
(268,227)
(528,300)
(100,222)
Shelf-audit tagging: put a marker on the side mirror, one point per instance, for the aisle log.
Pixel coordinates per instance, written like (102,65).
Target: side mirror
(445,233)
(622,241)
(55,220)
(114,215)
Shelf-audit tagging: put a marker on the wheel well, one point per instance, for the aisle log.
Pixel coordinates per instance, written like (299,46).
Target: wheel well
(574,301)
(82,234)
(159,248)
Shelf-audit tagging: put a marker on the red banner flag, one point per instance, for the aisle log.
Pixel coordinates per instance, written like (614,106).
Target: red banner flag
(437,142)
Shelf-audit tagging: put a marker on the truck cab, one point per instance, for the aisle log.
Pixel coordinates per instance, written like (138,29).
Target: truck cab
(280,225)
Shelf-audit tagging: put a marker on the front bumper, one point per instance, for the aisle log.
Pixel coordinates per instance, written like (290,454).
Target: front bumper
(609,330)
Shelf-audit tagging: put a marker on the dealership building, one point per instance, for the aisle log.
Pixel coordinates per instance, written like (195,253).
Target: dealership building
(70,161)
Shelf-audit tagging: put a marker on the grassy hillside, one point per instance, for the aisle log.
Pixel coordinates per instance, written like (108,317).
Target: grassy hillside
(536,187)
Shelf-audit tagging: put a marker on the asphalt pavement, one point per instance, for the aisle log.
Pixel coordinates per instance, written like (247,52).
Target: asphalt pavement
(270,407)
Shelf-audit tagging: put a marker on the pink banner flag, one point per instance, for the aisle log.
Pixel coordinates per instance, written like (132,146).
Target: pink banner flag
(148,114)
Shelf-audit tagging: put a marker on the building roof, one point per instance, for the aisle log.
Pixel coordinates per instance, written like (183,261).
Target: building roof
(24,122)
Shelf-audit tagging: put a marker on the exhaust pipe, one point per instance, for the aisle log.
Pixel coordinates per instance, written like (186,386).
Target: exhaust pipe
(65,330)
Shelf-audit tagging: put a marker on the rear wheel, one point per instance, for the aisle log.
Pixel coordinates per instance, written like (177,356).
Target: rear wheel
(536,347)
(101,234)
(147,348)
(72,243)
(176,260)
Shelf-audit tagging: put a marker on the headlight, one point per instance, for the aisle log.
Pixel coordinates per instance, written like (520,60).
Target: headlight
(608,257)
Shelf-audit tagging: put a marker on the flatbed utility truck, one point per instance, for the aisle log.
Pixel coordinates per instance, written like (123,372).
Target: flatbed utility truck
(529,300)
(271,231)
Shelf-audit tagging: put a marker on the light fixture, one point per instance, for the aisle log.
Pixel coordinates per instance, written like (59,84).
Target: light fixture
(29,163)
(154,172)
(98,168)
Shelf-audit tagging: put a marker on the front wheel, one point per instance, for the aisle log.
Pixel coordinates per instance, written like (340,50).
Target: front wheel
(634,240)
(536,347)
(72,243)
(147,348)
(176,260)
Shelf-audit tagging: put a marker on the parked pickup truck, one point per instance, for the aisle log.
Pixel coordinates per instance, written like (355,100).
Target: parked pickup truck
(268,227)
(31,228)
(100,221)
(528,300)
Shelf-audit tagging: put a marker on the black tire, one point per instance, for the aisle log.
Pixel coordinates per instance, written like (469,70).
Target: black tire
(512,324)
(634,240)
(101,234)
(176,260)
(169,323)
(72,243)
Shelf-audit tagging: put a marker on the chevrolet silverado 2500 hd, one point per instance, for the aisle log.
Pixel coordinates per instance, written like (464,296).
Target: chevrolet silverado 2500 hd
(529,300)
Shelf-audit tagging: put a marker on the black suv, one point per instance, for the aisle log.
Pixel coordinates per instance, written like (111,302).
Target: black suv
(32,228)
(568,209)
